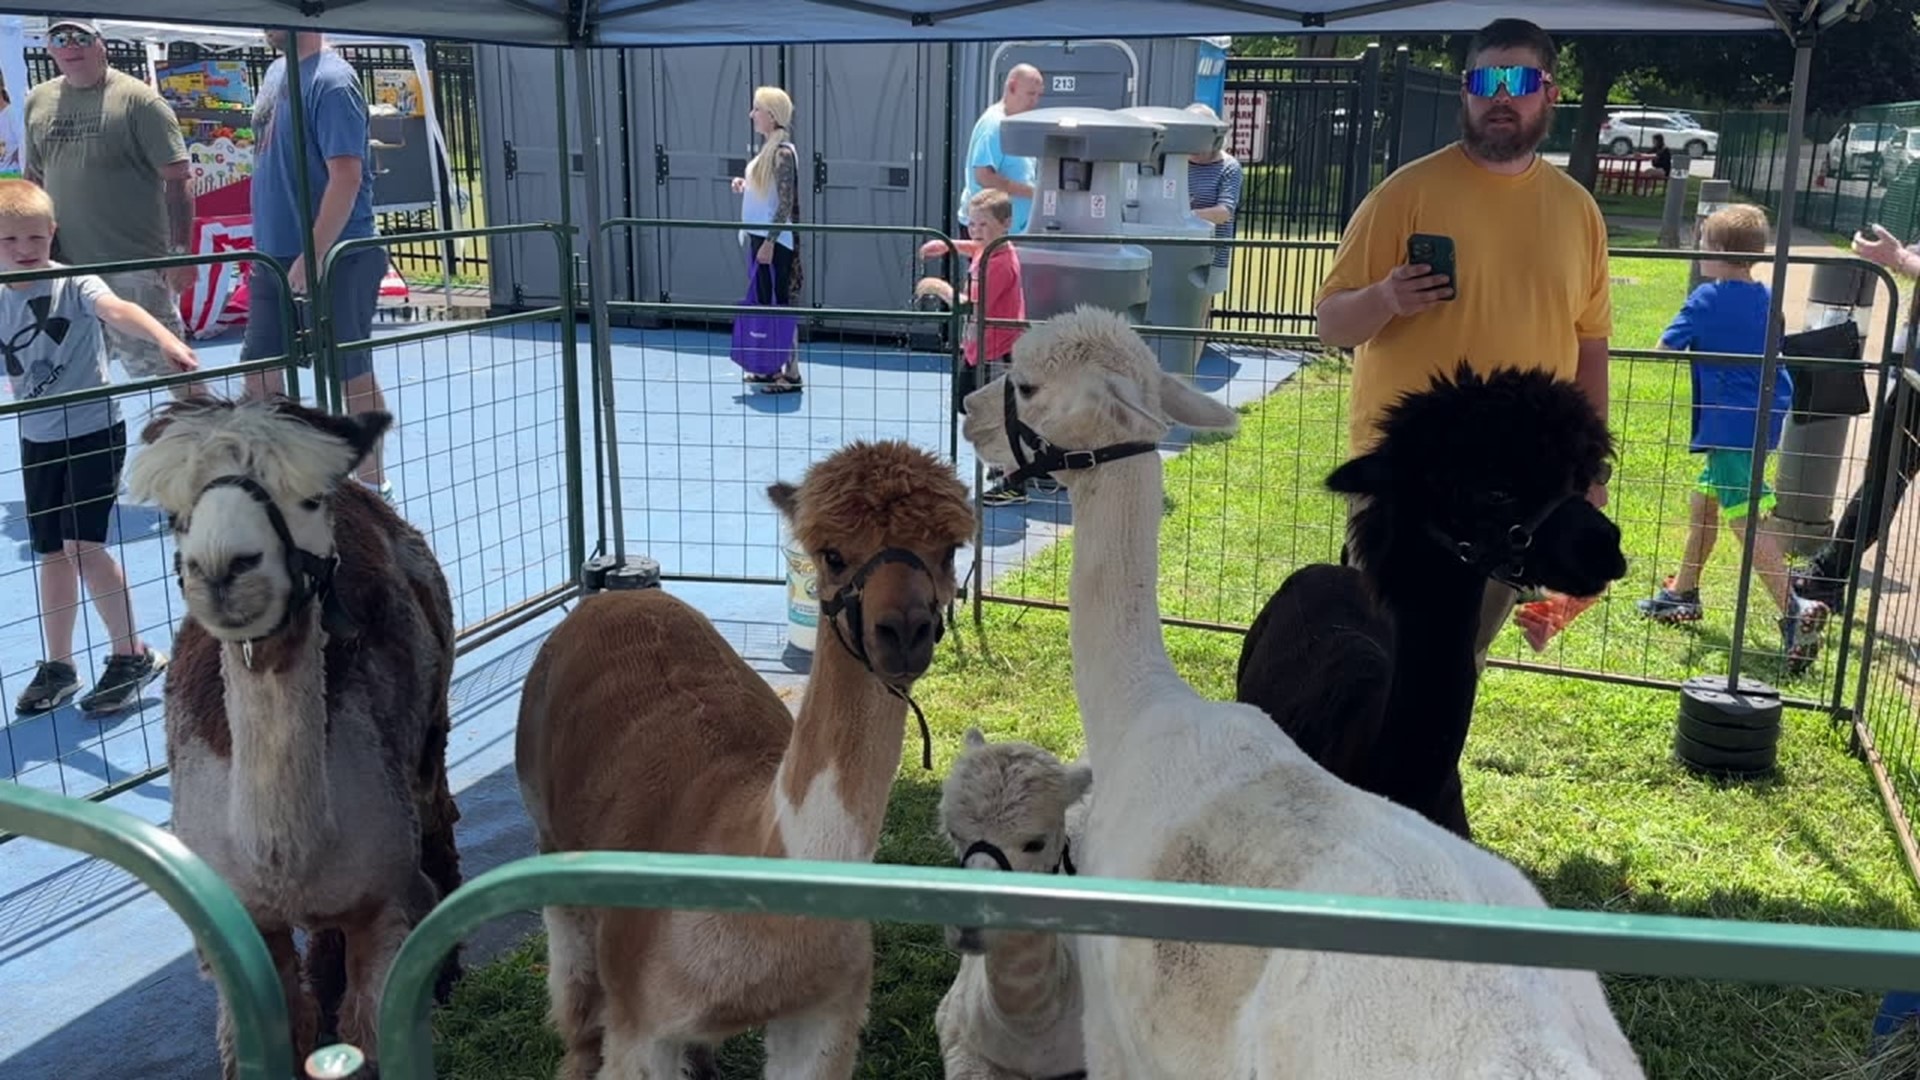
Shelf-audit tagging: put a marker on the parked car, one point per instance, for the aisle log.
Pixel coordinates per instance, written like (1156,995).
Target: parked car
(1857,150)
(1628,131)
(1902,151)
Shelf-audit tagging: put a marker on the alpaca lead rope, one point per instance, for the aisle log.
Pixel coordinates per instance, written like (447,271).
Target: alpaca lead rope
(848,599)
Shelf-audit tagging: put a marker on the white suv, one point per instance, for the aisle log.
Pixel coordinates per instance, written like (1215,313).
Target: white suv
(1858,150)
(1625,132)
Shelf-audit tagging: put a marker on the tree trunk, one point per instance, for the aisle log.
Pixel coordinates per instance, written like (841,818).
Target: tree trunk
(1599,68)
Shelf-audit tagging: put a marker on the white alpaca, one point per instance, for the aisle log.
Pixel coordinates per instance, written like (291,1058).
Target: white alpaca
(1013,1011)
(1213,792)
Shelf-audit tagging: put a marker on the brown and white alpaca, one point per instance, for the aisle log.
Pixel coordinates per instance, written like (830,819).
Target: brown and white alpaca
(1214,792)
(307,706)
(1013,1011)
(641,729)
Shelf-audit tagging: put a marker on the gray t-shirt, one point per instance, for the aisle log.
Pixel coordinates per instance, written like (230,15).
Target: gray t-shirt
(50,339)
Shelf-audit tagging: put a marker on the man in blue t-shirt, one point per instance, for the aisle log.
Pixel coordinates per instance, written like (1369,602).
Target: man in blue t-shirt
(988,166)
(340,179)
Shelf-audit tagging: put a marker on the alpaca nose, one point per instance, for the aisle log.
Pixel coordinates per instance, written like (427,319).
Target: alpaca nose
(967,939)
(907,635)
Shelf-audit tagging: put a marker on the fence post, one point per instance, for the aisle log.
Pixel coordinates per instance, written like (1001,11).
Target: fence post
(1676,206)
(1714,194)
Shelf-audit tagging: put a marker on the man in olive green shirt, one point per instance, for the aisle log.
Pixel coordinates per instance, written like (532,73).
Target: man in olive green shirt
(109,151)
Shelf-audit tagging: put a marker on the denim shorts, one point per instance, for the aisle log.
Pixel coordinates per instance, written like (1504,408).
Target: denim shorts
(354,289)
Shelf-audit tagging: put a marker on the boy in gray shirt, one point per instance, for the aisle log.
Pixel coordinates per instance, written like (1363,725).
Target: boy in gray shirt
(71,455)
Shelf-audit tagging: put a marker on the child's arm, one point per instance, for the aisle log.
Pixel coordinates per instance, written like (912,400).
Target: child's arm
(131,318)
(966,248)
(1682,333)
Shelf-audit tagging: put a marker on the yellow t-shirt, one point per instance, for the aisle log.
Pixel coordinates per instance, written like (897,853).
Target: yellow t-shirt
(1530,253)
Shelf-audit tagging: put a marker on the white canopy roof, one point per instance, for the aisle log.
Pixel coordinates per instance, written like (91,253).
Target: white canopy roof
(612,23)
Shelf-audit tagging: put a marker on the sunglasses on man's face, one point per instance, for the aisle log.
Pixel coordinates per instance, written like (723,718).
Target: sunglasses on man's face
(70,39)
(1518,80)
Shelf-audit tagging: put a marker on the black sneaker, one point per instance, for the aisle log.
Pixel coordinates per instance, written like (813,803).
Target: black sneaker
(122,680)
(1001,494)
(53,683)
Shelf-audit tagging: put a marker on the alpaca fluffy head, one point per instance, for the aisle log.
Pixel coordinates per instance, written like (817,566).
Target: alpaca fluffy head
(1471,457)
(873,497)
(1083,380)
(233,566)
(1014,796)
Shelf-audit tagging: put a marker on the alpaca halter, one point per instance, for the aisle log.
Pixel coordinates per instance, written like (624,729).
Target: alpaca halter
(1046,457)
(1505,561)
(310,576)
(992,850)
(849,600)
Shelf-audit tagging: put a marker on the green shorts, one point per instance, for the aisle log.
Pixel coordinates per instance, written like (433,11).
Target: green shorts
(1726,476)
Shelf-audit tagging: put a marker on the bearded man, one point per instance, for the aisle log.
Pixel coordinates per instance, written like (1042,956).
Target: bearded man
(1530,287)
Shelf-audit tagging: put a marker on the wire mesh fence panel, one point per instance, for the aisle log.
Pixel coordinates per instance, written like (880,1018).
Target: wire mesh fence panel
(1886,699)
(705,418)
(88,597)
(1243,512)
(483,450)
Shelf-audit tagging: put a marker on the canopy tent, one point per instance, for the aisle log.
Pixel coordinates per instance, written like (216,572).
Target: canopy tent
(615,23)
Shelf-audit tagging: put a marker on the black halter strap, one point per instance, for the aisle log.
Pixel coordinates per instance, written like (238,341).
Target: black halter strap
(992,851)
(849,600)
(1037,456)
(310,576)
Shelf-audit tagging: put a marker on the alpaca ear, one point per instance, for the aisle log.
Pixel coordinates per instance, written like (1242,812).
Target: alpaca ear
(1185,405)
(974,739)
(782,495)
(1364,475)
(366,431)
(1079,782)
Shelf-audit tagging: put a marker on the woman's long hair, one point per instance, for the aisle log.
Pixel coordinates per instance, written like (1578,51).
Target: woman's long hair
(780,107)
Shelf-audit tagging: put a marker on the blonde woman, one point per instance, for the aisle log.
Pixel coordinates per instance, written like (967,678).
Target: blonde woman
(770,195)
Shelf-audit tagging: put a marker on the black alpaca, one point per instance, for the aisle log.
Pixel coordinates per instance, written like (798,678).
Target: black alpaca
(1372,670)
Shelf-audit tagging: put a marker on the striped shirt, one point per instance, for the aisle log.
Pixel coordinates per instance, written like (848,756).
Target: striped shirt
(1216,183)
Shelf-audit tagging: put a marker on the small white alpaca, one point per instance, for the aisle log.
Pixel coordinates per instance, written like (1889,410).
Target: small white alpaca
(1214,792)
(1013,1012)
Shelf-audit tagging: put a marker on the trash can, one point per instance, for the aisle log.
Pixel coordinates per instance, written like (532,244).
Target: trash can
(1813,445)
(1178,286)
(1080,188)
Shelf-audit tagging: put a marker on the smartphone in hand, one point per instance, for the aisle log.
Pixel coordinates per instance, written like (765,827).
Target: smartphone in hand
(1435,252)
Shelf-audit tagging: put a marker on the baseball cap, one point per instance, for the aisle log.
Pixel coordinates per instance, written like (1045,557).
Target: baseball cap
(77,24)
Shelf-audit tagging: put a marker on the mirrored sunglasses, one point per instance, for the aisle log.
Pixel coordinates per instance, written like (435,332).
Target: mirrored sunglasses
(1516,79)
(70,39)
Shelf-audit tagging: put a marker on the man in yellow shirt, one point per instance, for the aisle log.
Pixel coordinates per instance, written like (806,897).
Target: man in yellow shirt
(1530,258)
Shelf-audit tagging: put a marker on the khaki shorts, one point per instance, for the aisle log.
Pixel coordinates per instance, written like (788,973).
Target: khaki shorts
(141,358)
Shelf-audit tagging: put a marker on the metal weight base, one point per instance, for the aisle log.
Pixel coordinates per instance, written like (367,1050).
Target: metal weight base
(604,572)
(1728,733)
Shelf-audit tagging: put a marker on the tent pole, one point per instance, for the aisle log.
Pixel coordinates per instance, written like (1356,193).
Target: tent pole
(1770,363)
(644,571)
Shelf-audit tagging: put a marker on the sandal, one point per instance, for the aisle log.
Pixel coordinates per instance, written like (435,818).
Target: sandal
(782,384)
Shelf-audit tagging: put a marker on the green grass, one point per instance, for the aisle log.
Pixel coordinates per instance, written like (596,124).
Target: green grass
(1571,779)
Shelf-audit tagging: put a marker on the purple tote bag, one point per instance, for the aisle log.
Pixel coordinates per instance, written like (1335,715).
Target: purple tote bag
(762,343)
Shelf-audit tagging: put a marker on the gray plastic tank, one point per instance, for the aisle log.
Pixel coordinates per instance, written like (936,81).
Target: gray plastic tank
(1178,291)
(1080,188)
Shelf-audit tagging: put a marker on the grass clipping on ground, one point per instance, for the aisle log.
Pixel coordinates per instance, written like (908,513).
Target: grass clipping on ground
(1571,779)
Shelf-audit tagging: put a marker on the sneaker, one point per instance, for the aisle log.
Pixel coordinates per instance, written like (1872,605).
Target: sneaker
(1001,494)
(53,683)
(1817,582)
(384,489)
(122,680)
(1800,633)
(1668,606)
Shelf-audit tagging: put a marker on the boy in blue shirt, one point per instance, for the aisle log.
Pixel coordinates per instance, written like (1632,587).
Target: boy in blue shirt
(1728,314)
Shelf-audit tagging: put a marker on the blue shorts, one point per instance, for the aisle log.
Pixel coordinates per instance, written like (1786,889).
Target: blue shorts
(355,293)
